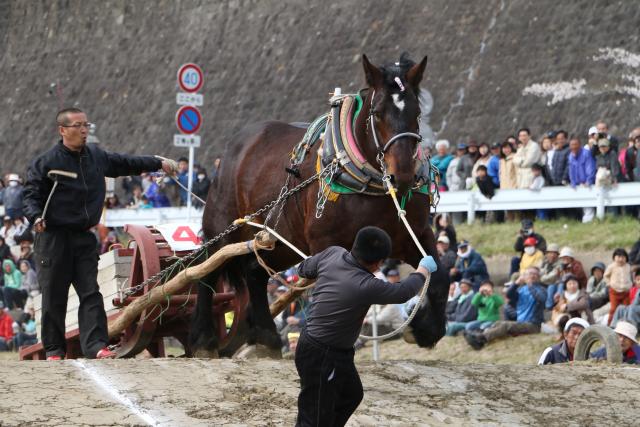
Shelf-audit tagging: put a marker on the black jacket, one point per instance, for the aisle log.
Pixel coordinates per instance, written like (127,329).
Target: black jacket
(77,203)
(560,169)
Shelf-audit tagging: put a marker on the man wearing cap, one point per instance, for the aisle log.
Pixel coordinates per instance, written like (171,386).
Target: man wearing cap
(551,272)
(563,351)
(628,344)
(607,165)
(570,264)
(330,387)
(560,160)
(469,265)
(447,256)
(12,198)
(65,248)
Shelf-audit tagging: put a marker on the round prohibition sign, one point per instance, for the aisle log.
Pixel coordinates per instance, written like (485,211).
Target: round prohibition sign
(188,120)
(190,78)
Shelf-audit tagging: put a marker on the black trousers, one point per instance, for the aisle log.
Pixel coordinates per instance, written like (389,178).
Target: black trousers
(65,257)
(330,387)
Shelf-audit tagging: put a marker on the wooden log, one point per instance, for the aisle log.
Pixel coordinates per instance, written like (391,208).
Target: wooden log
(284,299)
(181,280)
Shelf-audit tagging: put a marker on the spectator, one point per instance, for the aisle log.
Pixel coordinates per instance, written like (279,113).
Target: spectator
(26,334)
(444,225)
(529,300)
(628,344)
(462,311)
(483,183)
(22,231)
(488,305)
(582,171)
(155,195)
(136,198)
(145,203)
(572,302)
(6,329)
(607,166)
(294,316)
(632,161)
(603,129)
(571,265)
(484,155)
(29,279)
(447,256)
(464,169)
(469,265)
(201,187)
(112,202)
(5,250)
(453,180)
(563,351)
(597,287)
(441,161)
(618,277)
(26,253)
(547,151)
(14,295)
(532,256)
(527,155)
(551,271)
(493,168)
(129,183)
(8,231)
(272,287)
(630,313)
(13,197)
(526,231)
(536,185)
(183,178)
(622,155)
(216,168)
(560,160)
(508,174)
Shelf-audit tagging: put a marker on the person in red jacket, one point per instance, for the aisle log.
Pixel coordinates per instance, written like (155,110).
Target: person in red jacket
(6,329)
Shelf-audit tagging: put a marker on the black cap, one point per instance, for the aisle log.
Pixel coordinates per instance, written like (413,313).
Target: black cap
(526,223)
(372,244)
(496,145)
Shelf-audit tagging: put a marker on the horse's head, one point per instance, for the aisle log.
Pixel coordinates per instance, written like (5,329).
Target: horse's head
(394,112)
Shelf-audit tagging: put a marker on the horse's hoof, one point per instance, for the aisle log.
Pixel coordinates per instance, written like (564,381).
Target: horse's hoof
(205,354)
(407,335)
(257,351)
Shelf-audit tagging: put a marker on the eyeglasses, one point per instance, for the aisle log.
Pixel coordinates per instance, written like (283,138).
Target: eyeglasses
(78,125)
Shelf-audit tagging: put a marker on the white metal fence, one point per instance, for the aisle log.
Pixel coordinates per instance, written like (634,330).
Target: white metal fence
(627,194)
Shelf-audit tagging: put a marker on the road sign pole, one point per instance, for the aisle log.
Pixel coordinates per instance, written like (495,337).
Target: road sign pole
(190,182)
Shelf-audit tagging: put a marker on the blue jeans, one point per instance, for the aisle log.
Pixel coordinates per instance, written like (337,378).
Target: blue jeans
(454,327)
(551,291)
(479,324)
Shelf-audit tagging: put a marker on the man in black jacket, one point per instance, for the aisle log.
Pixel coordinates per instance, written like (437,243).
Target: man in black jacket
(330,387)
(65,249)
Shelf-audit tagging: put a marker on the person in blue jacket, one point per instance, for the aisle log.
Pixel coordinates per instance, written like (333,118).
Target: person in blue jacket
(469,265)
(493,167)
(628,344)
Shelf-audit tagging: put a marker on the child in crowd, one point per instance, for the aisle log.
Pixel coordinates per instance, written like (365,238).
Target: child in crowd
(483,182)
(618,277)
(488,304)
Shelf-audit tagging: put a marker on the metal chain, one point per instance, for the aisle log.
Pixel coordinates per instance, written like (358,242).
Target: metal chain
(283,190)
(234,226)
(326,177)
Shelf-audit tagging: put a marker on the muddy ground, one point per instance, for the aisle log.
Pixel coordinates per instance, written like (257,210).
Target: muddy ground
(262,392)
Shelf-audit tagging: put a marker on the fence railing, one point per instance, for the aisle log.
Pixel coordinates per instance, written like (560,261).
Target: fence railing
(627,194)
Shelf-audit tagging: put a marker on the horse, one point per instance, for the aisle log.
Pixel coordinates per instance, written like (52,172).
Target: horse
(254,168)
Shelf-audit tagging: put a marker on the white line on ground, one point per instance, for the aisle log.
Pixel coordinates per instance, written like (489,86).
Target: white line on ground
(105,385)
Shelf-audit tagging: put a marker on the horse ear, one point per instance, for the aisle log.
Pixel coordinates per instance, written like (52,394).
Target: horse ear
(414,75)
(371,73)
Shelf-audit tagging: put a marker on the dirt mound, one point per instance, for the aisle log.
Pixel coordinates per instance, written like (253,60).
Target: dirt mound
(224,392)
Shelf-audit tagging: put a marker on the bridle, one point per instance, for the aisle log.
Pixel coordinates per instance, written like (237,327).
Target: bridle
(382,149)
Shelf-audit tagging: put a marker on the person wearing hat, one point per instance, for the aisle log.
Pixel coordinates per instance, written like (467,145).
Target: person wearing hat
(493,167)
(8,230)
(464,311)
(570,302)
(527,230)
(470,265)
(12,197)
(563,351)
(330,387)
(607,165)
(454,183)
(597,287)
(528,154)
(628,344)
(441,161)
(550,272)
(532,256)
(570,264)
(603,131)
(528,298)
(447,256)
(65,248)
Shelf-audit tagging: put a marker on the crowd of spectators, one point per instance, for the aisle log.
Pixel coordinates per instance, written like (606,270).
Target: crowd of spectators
(559,159)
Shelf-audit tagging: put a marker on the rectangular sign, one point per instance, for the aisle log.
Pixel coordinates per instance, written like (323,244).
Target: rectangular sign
(193,99)
(186,140)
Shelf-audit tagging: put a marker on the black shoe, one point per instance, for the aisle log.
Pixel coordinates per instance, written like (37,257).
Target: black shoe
(475,340)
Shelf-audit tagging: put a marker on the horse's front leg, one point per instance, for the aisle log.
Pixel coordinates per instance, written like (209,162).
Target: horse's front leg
(430,322)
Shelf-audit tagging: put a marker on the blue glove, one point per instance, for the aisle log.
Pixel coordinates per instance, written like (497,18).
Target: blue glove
(429,263)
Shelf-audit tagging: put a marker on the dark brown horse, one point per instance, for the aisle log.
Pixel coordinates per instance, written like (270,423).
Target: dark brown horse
(253,172)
